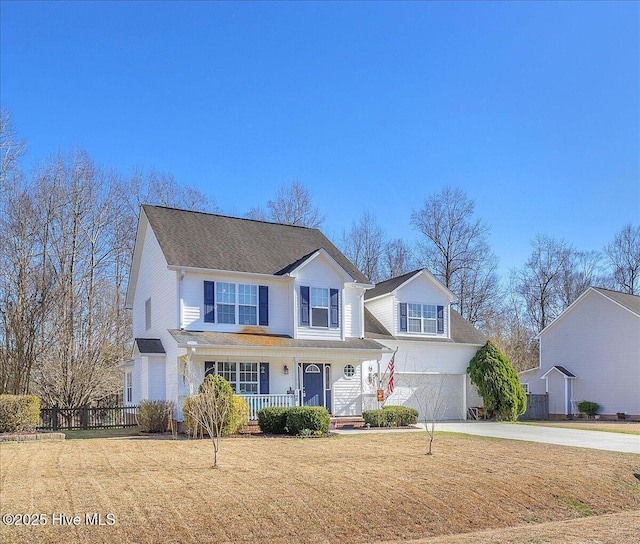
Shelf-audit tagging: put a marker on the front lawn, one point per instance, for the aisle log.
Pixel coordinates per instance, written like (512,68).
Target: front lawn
(348,489)
(624,427)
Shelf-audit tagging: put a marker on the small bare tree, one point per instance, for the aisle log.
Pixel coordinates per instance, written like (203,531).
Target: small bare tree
(429,394)
(210,409)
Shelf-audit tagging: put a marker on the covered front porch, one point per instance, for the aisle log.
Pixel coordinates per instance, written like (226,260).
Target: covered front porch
(267,370)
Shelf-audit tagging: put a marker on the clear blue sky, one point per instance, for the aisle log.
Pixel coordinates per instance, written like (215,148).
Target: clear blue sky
(532,108)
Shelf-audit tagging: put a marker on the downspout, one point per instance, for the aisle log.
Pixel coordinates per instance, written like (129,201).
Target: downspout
(180,301)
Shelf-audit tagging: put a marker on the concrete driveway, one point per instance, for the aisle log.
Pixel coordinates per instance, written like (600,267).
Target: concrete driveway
(599,440)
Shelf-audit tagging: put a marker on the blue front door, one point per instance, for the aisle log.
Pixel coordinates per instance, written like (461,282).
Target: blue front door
(312,383)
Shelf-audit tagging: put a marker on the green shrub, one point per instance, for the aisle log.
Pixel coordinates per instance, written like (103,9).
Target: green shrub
(401,416)
(19,413)
(273,420)
(588,407)
(377,418)
(314,418)
(154,415)
(391,416)
(498,383)
(239,416)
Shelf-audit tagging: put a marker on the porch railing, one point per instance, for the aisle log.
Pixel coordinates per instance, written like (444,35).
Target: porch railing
(257,402)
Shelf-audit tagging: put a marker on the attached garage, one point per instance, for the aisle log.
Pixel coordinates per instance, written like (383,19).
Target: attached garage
(443,394)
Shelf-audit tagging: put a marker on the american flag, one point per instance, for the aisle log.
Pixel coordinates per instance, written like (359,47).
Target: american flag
(391,368)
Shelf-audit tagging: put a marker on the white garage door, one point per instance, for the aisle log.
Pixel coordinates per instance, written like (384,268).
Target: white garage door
(429,393)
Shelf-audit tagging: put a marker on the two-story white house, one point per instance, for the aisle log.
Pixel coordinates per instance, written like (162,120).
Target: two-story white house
(412,315)
(277,310)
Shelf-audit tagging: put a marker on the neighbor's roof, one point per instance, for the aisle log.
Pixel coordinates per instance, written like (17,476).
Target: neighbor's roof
(462,331)
(630,302)
(262,341)
(149,345)
(217,242)
(560,369)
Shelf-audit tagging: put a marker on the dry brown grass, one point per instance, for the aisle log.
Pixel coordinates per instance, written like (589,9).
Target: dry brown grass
(350,489)
(625,427)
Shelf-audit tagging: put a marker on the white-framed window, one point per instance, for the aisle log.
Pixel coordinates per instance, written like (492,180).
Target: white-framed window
(247,304)
(349,371)
(525,386)
(237,303)
(319,305)
(422,318)
(243,377)
(147,314)
(226,302)
(129,386)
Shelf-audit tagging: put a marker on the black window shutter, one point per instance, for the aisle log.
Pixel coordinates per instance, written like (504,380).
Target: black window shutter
(440,319)
(209,316)
(334,306)
(264,378)
(403,316)
(209,368)
(263,306)
(304,305)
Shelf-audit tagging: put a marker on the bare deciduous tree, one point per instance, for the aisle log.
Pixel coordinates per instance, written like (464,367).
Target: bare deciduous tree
(364,245)
(293,205)
(11,146)
(397,259)
(210,409)
(430,397)
(623,256)
(455,249)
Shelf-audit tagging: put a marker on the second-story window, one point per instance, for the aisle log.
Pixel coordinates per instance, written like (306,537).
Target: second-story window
(231,303)
(421,318)
(247,304)
(319,307)
(226,302)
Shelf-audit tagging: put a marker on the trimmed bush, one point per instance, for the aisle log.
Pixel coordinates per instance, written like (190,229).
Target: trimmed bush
(313,418)
(19,413)
(273,420)
(239,417)
(154,415)
(377,418)
(588,407)
(391,416)
(401,416)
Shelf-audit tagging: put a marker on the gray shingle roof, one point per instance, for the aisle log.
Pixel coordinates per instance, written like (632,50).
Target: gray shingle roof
(149,345)
(630,302)
(209,241)
(385,287)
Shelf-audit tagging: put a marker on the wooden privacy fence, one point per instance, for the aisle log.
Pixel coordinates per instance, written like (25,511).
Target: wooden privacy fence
(86,417)
(537,407)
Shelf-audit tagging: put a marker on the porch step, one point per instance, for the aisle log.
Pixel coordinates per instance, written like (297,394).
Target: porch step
(347,422)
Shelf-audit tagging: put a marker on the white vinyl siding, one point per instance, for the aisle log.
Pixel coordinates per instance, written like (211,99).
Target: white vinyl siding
(605,360)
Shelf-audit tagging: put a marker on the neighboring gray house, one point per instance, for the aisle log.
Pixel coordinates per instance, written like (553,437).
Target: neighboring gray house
(591,351)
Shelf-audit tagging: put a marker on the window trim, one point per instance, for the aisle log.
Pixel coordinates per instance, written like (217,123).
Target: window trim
(147,314)
(128,386)
(352,372)
(317,307)
(217,368)
(422,320)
